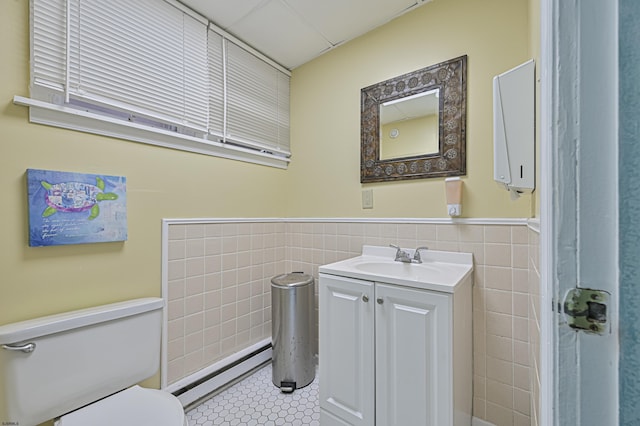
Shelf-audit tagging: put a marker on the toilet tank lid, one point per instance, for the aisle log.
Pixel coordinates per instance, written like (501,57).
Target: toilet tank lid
(42,326)
(133,406)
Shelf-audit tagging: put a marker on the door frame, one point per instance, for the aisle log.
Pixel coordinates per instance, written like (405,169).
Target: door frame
(575,197)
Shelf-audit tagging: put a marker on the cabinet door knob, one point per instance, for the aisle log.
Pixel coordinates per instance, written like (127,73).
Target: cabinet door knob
(365,298)
(379,300)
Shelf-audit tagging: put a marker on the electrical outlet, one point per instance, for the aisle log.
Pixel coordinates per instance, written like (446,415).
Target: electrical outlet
(367,198)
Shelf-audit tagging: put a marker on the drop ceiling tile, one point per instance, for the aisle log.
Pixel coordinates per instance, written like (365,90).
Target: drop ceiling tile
(340,20)
(223,13)
(292,32)
(277,31)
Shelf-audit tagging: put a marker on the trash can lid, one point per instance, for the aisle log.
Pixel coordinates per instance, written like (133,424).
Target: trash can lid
(293,279)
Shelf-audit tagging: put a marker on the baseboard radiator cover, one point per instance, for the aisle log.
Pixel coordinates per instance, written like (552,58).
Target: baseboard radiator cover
(201,384)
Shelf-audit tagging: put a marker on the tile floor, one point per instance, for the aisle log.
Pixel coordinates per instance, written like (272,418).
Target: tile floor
(256,401)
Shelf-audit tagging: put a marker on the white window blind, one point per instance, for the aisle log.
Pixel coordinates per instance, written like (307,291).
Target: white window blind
(257,101)
(145,54)
(216,84)
(283,113)
(48,40)
(156,63)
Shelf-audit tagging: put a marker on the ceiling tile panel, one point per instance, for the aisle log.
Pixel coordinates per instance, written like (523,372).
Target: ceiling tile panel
(223,13)
(292,32)
(340,20)
(278,32)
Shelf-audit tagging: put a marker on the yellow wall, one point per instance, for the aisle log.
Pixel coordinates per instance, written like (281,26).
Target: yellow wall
(416,136)
(161,183)
(324,179)
(534,52)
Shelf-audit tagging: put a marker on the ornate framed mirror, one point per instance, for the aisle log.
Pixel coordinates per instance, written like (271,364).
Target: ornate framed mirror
(414,126)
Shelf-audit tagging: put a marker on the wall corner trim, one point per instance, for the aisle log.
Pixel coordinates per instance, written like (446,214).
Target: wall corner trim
(534,225)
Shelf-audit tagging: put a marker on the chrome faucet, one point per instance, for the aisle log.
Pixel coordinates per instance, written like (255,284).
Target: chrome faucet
(401,255)
(416,255)
(405,257)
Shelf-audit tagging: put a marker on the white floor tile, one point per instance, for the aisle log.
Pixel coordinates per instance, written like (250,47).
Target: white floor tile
(256,401)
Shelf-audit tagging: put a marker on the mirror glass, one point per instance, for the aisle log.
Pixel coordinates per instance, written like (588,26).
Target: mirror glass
(414,126)
(409,126)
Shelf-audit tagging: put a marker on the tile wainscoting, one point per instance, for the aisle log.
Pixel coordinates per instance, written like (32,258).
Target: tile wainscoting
(216,279)
(535,322)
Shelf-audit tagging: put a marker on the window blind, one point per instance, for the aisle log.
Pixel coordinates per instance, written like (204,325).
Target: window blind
(216,84)
(156,62)
(48,44)
(283,113)
(257,101)
(146,54)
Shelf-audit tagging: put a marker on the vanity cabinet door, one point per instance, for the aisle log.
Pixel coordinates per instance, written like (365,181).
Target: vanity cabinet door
(346,343)
(413,357)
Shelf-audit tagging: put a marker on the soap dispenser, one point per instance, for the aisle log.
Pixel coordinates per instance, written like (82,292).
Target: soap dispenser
(453,188)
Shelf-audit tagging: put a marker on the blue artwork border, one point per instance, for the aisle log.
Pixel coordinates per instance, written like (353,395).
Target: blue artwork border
(75,208)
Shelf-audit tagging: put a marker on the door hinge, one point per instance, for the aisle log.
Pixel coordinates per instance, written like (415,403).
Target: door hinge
(586,309)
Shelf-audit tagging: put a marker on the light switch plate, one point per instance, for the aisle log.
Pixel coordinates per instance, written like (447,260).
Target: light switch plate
(367,198)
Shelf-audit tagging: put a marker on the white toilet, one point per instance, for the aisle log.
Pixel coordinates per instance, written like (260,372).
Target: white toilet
(81,368)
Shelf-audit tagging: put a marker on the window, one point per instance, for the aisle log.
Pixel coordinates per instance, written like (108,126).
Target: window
(156,72)
(257,101)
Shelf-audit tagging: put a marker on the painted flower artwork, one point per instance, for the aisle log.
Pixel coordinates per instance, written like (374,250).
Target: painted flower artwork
(75,208)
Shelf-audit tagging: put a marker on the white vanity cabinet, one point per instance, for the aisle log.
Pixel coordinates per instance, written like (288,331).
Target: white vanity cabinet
(394,355)
(346,351)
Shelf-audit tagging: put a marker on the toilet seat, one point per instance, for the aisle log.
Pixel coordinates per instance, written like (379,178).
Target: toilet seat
(134,406)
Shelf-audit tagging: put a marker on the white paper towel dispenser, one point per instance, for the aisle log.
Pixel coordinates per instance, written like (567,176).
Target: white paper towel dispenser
(514,129)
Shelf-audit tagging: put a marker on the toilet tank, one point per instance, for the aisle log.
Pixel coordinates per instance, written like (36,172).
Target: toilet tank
(58,363)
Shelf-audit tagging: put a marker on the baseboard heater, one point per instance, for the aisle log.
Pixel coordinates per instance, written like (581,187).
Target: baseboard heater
(207,381)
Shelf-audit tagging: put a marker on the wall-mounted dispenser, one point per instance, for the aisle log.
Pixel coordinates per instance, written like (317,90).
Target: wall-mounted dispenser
(453,189)
(514,129)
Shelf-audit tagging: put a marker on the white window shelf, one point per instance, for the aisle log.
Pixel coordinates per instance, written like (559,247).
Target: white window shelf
(68,118)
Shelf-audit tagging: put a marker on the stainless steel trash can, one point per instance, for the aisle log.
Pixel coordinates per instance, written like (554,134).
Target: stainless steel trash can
(292,335)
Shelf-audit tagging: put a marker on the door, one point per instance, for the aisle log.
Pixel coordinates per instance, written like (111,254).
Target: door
(629,169)
(413,357)
(346,341)
(579,211)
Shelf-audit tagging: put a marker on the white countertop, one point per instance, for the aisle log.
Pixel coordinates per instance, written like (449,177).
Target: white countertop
(439,271)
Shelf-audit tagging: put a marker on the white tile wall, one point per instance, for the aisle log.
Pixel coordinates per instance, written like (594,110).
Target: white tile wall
(219,294)
(218,290)
(534,323)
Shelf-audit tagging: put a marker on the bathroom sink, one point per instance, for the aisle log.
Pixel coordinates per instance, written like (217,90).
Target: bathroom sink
(405,270)
(439,270)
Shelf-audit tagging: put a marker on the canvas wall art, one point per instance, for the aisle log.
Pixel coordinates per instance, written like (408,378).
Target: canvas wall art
(75,208)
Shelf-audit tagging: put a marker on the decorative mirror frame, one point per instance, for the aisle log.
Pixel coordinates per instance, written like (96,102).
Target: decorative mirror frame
(450,160)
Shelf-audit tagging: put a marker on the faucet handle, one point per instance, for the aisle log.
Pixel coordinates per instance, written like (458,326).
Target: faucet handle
(416,255)
(401,255)
(398,250)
